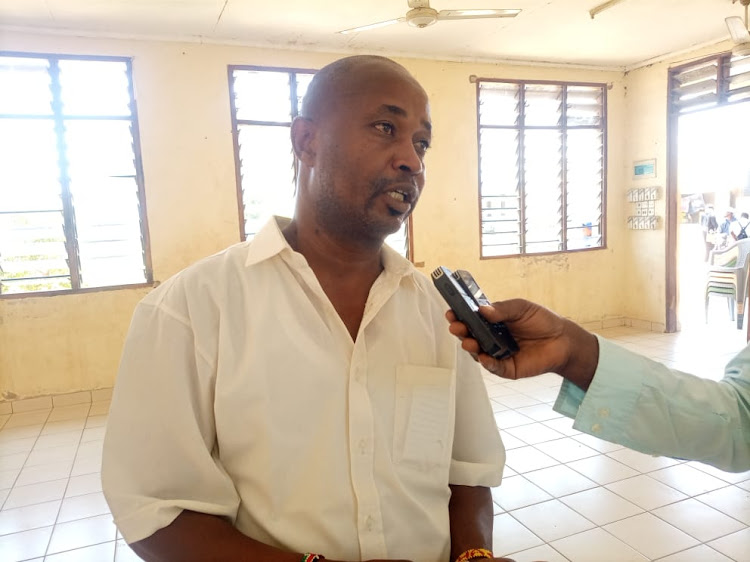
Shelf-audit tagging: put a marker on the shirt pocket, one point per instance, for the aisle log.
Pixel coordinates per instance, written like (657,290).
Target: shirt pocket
(424,416)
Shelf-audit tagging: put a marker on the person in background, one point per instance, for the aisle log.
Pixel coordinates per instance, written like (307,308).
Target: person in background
(624,397)
(725,229)
(297,396)
(710,229)
(738,229)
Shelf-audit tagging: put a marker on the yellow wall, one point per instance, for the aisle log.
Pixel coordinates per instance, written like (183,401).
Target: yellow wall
(73,342)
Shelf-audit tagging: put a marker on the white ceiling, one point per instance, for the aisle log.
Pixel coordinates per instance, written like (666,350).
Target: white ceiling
(557,31)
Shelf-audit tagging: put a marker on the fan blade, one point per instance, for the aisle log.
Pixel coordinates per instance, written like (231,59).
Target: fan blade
(476,14)
(371,26)
(737,30)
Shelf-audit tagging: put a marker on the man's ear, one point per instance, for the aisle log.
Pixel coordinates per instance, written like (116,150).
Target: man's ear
(303,140)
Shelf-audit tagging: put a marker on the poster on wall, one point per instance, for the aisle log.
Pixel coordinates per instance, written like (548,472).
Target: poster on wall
(644,169)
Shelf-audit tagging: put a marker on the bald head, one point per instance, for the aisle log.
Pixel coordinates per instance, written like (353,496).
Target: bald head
(344,77)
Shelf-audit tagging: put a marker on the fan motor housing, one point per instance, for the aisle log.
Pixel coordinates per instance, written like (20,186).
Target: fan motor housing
(421,17)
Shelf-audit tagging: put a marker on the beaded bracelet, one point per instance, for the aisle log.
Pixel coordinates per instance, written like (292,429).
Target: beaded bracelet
(310,557)
(473,553)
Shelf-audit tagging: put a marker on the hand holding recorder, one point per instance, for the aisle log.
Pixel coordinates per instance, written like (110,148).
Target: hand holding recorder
(546,343)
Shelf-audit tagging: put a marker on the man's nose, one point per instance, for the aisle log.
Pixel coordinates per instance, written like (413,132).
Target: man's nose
(407,159)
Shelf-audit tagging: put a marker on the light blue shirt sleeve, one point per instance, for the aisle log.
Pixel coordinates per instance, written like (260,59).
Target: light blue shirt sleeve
(651,408)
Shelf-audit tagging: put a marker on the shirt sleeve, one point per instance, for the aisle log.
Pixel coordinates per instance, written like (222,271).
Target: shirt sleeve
(651,408)
(478,451)
(160,453)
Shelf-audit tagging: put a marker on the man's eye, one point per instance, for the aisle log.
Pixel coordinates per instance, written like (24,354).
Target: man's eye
(422,146)
(386,128)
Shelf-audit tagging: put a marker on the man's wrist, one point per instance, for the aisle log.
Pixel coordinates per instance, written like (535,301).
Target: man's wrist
(583,355)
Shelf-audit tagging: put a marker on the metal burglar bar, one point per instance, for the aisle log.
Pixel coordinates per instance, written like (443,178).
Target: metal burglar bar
(264,101)
(72,212)
(541,166)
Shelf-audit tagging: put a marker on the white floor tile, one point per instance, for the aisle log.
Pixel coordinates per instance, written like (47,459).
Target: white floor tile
(517,492)
(602,469)
(20,432)
(650,536)
(543,552)
(596,545)
(744,485)
(699,520)
(516,400)
(63,454)
(510,418)
(69,412)
(85,484)
(539,412)
(26,418)
(66,426)
(562,425)
(688,480)
(601,506)
(35,493)
(534,433)
(71,399)
(640,461)
(560,480)
(566,449)
(731,477)
(736,545)
(93,434)
(525,459)
(511,442)
(646,492)
(13,461)
(44,473)
(596,443)
(80,507)
(552,520)
(104,552)
(28,517)
(96,421)
(87,465)
(24,546)
(700,553)
(509,535)
(46,441)
(17,446)
(8,477)
(732,501)
(81,533)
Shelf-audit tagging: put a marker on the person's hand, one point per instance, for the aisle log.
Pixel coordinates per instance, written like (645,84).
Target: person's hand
(547,343)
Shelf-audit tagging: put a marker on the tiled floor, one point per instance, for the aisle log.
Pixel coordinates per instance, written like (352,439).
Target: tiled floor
(566,496)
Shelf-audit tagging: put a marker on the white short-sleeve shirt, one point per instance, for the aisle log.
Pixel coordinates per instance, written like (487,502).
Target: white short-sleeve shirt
(241,394)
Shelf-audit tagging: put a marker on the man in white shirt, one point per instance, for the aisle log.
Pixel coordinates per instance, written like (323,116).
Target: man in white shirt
(624,397)
(297,396)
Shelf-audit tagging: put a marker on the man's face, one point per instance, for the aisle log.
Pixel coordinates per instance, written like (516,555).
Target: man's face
(369,171)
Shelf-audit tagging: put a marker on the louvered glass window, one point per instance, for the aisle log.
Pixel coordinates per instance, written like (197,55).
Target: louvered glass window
(541,166)
(264,103)
(71,191)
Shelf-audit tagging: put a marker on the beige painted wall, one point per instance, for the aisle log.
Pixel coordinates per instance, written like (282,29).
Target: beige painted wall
(645,107)
(73,342)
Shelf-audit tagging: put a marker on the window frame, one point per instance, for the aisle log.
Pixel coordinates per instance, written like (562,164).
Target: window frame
(293,112)
(68,210)
(563,128)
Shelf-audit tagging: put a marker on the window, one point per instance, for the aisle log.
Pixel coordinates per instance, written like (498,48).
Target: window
(541,166)
(710,82)
(264,102)
(71,190)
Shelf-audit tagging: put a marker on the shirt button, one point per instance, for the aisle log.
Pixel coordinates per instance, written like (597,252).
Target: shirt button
(603,412)
(363,446)
(596,428)
(369,523)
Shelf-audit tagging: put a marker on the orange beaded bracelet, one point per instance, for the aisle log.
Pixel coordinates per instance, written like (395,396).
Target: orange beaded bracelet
(473,553)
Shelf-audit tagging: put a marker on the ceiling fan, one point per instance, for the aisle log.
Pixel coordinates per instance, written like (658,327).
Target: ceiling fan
(421,15)
(739,32)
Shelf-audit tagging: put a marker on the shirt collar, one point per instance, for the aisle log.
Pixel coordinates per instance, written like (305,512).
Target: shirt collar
(270,241)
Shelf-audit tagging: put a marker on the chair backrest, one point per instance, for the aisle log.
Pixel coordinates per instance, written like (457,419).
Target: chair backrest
(734,256)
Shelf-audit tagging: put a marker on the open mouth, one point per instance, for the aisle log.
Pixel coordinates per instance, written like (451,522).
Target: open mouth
(399,202)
